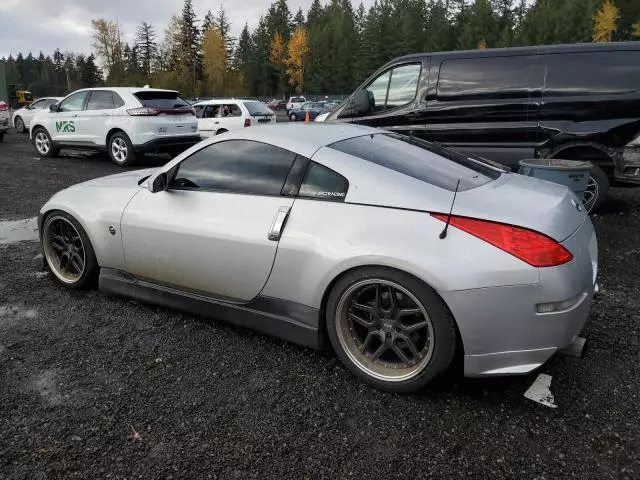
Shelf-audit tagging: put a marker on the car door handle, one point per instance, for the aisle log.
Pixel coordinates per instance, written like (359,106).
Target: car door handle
(278,224)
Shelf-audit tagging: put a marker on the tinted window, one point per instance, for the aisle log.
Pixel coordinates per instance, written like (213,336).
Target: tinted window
(100,100)
(322,183)
(74,103)
(592,72)
(419,159)
(237,166)
(161,99)
(378,91)
(403,85)
(498,77)
(257,108)
(297,100)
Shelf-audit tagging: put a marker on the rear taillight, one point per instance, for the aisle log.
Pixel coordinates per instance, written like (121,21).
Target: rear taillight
(143,112)
(247,122)
(531,247)
(3,107)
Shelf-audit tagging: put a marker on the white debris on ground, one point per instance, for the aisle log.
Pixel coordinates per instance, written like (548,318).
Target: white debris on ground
(18,230)
(540,392)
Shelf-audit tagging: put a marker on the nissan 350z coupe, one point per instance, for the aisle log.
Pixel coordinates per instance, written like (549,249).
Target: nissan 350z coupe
(316,231)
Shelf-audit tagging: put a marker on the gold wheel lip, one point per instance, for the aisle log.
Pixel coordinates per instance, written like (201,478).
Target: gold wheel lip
(48,249)
(348,345)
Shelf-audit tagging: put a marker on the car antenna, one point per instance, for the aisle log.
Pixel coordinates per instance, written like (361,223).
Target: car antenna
(443,233)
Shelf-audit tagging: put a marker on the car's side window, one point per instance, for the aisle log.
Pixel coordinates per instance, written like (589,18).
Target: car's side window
(101,100)
(322,183)
(236,166)
(378,91)
(117,100)
(38,105)
(73,103)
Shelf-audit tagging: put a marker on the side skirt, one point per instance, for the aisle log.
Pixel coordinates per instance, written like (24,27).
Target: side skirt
(287,320)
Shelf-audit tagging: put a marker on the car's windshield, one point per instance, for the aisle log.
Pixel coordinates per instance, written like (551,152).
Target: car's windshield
(161,99)
(297,99)
(257,108)
(419,159)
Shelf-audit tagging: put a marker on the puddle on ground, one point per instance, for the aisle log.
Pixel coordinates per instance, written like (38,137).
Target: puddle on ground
(18,230)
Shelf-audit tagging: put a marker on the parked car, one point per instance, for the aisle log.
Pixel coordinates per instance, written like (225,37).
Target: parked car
(123,121)
(312,108)
(21,119)
(276,104)
(4,119)
(222,115)
(577,102)
(295,102)
(367,251)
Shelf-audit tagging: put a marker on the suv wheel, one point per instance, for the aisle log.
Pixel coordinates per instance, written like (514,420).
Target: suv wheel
(120,149)
(43,144)
(293,117)
(597,189)
(19,125)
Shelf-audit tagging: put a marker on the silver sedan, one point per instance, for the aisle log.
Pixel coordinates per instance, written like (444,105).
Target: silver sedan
(400,253)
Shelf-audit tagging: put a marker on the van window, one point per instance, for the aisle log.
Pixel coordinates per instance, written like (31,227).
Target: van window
(496,77)
(588,73)
(403,85)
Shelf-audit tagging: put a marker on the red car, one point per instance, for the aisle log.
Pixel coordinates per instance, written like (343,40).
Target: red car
(276,104)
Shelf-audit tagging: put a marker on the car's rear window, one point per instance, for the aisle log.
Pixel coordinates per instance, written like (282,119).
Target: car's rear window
(316,105)
(257,108)
(419,159)
(162,99)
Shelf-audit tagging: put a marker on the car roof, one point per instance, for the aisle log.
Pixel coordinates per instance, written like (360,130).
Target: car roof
(131,90)
(302,138)
(218,101)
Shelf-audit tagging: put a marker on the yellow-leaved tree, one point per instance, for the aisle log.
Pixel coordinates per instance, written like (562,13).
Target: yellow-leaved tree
(296,58)
(215,61)
(276,56)
(482,44)
(605,22)
(636,29)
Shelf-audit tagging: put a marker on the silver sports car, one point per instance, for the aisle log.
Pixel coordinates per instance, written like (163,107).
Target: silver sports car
(401,253)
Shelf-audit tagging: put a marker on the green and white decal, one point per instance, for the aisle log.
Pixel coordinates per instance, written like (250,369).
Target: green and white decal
(66,126)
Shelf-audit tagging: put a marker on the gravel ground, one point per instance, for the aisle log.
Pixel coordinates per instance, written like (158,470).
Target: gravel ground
(96,387)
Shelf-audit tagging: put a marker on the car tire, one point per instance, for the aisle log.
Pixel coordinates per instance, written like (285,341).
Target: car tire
(597,190)
(418,345)
(19,125)
(43,144)
(120,149)
(68,252)
(293,117)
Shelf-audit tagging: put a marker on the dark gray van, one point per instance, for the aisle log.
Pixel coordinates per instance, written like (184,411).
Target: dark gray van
(565,101)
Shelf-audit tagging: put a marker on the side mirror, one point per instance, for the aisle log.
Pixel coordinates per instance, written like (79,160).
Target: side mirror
(53,108)
(160,183)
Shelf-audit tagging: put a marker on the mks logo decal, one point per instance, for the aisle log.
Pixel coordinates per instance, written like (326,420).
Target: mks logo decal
(66,126)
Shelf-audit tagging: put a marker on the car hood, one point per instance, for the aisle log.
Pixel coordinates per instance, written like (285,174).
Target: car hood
(120,180)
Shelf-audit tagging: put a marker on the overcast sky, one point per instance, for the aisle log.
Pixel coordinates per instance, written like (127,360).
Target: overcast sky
(44,25)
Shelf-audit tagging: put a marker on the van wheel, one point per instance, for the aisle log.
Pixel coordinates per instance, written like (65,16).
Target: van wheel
(597,189)
(43,144)
(390,329)
(120,149)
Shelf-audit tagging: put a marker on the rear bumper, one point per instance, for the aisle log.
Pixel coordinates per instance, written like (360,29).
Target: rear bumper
(628,165)
(162,143)
(503,332)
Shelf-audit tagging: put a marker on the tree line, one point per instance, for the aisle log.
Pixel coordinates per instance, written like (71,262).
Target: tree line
(331,48)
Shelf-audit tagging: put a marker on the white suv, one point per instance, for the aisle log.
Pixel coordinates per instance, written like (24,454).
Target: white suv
(295,102)
(4,119)
(221,115)
(122,121)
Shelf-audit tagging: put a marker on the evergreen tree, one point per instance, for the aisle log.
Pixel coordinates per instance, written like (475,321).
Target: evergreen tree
(147,47)
(190,58)
(298,20)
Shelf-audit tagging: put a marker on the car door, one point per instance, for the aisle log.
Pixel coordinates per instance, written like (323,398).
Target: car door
(208,124)
(36,107)
(98,115)
(230,116)
(216,229)
(68,123)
